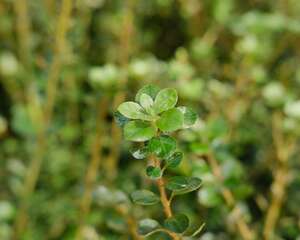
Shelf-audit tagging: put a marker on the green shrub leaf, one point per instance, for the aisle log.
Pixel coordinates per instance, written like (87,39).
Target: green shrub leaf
(171,120)
(121,120)
(146,101)
(144,197)
(140,153)
(174,160)
(189,116)
(147,226)
(139,131)
(133,110)
(178,223)
(181,185)
(153,172)
(149,89)
(162,146)
(165,100)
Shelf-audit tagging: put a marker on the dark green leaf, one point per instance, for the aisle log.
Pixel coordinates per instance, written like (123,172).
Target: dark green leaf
(165,100)
(162,146)
(139,131)
(120,119)
(181,185)
(147,226)
(149,89)
(153,172)
(144,197)
(170,120)
(174,160)
(178,223)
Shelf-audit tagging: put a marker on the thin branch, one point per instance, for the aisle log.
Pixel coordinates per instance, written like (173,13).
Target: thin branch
(243,228)
(163,198)
(281,176)
(93,166)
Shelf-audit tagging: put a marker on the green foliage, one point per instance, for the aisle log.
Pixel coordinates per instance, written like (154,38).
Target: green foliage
(161,148)
(67,166)
(144,197)
(178,223)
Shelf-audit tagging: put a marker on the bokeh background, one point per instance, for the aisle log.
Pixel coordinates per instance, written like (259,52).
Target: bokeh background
(66,65)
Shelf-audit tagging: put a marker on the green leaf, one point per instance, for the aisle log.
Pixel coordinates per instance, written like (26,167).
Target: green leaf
(146,226)
(139,131)
(120,119)
(162,146)
(170,120)
(149,89)
(178,223)
(133,110)
(153,172)
(189,116)
(165,100)
(174,160)
(146,101)
(144,197)
(140,153)
(181,185)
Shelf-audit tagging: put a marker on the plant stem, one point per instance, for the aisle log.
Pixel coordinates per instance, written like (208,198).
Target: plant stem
(163,198)
(243,228)
(281,176)
(41,139)
(93,166)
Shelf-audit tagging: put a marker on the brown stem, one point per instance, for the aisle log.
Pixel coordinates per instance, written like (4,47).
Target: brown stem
(278,189)
(130,222)
(243,228)
(92,167)
(164,199)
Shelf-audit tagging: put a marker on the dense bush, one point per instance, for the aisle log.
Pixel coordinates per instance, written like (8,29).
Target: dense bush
(67,170)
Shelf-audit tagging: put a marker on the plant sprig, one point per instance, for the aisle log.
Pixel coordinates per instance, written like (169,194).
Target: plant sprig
(151,119)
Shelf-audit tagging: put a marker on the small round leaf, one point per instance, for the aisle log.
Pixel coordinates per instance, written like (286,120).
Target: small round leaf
(139,131)
(181,185)
(147,226)
(178,223)
(174,160)
(149,89)
(165,100)
(133,110)
(189,116)
(171,120)
(140,153)
(153,172)
(146,101)
(162,146)
(144,197)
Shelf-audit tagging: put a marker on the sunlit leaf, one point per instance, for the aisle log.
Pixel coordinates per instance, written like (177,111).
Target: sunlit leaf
(171,120)
(165,100)
(149,89)
(133,110)
(174,160)
(139,131)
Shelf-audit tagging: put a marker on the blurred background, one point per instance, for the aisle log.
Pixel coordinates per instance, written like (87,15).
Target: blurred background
(66,65)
